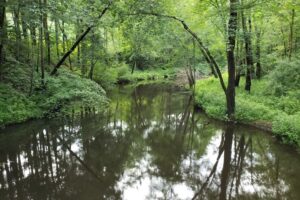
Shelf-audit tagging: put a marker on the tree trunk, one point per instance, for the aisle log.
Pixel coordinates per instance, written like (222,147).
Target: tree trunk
(258,64)
(24,24)
(237,77)
(2,34)
(93,60)
(238,58)
(46,32)
(56,37)
(16,20)
(41,47)
(248,48)
(83,58)
(232,27)
(78,47)
(291,42)
(133,67)
(284,42)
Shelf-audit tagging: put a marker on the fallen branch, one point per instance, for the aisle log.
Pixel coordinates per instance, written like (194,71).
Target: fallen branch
(54,71)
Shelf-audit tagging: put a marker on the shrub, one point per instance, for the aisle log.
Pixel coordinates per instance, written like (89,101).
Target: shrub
(285,78)
(15,106)
(287,127)
(62,92)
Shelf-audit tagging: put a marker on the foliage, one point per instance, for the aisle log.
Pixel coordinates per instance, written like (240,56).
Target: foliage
(62,93)
(285,78)
(15,106)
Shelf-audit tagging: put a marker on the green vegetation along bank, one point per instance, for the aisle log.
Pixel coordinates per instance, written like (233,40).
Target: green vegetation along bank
(22,98)
(273,103)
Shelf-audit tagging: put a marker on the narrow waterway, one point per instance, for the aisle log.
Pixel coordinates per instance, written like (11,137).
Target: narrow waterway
(150,144)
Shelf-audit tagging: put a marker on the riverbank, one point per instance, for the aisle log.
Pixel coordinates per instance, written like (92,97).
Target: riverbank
(278,114)
(23,99)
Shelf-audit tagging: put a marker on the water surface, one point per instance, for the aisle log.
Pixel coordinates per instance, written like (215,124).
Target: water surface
(150,144)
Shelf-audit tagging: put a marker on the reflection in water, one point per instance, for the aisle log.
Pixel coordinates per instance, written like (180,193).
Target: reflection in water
(150,144)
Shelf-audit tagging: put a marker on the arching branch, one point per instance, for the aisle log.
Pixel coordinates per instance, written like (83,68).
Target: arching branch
(206,53)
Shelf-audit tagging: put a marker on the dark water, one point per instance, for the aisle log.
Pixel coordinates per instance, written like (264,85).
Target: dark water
(150,144)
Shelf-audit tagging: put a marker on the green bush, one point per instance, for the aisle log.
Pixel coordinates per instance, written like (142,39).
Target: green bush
(285,78)
(61,93)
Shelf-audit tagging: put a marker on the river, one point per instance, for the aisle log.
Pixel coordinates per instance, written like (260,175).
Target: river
(150,144)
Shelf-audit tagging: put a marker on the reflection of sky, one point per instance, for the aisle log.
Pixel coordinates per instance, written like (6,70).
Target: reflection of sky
(138,183)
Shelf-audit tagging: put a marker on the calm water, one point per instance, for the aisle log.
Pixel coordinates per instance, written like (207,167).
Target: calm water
(150,144)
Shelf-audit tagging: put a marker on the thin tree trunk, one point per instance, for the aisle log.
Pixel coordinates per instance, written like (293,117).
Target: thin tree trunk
(291,42)
(63,36)
(16,20)
(133,67)
(284,42)
(93,62)
(238,64)
(83,59)
(24,24)
(46,32)
(248,48)
(56,37)
(258,64)
(41,47)
(78,47)
(2,34)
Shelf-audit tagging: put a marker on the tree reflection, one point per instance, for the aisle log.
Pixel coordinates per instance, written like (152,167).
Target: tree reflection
(151,144)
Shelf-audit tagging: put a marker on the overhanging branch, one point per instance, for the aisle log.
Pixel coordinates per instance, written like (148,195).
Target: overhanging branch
(206,53)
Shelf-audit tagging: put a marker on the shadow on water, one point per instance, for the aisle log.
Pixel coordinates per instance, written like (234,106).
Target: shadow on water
(150,144)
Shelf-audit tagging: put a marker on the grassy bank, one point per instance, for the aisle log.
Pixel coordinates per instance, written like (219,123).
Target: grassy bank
(261,107)
(122,75)
(23,99)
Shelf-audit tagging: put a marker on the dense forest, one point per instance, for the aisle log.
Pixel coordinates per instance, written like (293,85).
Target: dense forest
(240,57)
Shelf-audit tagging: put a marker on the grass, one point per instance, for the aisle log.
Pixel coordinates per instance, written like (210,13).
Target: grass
(148,75)
(282,113)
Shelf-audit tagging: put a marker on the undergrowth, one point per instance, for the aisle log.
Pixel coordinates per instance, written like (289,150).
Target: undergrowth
(22,99)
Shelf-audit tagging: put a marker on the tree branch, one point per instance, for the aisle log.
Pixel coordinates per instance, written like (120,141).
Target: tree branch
(54,71)
(206,53)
